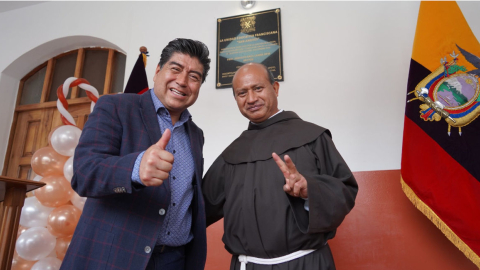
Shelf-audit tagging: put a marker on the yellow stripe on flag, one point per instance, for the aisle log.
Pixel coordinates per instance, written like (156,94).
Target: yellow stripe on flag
(440,26)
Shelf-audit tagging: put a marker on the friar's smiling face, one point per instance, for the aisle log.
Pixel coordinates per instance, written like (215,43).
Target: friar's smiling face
(256,96)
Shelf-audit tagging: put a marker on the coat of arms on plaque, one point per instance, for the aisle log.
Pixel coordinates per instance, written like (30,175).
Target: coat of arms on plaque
(247,24)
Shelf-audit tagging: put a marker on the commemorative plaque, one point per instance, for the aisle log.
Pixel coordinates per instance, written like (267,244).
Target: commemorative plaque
(254,37)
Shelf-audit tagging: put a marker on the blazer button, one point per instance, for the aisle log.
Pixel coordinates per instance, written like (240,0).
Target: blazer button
(147,249)
(161,212)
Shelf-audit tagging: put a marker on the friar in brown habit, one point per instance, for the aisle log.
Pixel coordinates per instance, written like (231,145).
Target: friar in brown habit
(279,213)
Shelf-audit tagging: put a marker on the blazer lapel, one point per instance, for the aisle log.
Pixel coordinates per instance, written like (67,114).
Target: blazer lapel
(149,117)
(196,149)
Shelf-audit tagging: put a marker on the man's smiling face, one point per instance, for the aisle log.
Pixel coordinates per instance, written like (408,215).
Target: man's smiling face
(178,82)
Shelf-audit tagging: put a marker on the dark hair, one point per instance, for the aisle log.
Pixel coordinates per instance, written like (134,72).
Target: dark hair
(194,48)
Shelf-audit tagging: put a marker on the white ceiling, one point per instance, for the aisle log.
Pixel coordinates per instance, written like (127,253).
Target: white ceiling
(11,5)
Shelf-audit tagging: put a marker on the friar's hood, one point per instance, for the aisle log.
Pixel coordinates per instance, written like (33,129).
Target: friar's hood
(278,134)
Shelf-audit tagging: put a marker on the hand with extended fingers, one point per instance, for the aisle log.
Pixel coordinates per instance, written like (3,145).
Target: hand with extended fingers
(156,163)
(295,183)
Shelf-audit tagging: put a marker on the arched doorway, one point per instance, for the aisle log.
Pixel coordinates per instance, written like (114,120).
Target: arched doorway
(35,109)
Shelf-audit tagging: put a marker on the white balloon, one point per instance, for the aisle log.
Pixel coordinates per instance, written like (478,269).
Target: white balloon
(49,263)
(35,244)
(64,139)
(68,169)
(78,201)
(34,214)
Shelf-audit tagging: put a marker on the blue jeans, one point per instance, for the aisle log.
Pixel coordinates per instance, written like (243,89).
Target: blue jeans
(167,258)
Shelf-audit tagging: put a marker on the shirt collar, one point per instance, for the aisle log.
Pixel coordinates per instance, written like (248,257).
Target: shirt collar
(279,111)
(161,110)
(279,117)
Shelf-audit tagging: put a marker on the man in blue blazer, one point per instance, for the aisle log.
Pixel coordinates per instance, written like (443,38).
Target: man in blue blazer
(139,161)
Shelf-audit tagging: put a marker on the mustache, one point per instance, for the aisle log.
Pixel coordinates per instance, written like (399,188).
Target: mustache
(256,104)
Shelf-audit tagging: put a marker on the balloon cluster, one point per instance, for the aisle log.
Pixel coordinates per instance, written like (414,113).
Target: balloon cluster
(49,218)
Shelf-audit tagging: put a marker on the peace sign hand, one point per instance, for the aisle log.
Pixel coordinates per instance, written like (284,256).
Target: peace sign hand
(296,184)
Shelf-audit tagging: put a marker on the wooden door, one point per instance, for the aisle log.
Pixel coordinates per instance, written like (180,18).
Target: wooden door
(36,112)
(31,133)
(29,136)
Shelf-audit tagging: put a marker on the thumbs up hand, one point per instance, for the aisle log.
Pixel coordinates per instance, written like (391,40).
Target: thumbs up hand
(156,163)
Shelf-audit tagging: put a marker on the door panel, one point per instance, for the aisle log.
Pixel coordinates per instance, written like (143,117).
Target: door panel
(25,171)
(27,139)
(31,133)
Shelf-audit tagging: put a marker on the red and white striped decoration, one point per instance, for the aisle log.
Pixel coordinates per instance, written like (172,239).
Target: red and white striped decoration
(62,92)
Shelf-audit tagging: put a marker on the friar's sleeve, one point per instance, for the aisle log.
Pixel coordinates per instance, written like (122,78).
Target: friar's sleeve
(332,192)
(213,187)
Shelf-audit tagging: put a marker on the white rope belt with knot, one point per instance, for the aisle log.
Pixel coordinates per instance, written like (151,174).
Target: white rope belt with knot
(244,259)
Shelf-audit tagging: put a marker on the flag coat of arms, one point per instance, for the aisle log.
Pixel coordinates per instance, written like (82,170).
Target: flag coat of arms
(441,141)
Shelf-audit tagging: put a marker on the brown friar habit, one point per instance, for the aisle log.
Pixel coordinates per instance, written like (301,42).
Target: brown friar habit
(245,186)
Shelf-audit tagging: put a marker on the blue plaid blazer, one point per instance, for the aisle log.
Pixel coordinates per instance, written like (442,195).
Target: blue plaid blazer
(121,220)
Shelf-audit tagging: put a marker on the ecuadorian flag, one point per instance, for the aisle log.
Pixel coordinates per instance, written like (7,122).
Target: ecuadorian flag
(441,140)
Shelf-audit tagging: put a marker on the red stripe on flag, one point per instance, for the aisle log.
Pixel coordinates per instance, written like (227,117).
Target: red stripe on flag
(143,91)
(442,183)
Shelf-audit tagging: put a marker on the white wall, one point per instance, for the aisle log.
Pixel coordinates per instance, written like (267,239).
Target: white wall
(346,63)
